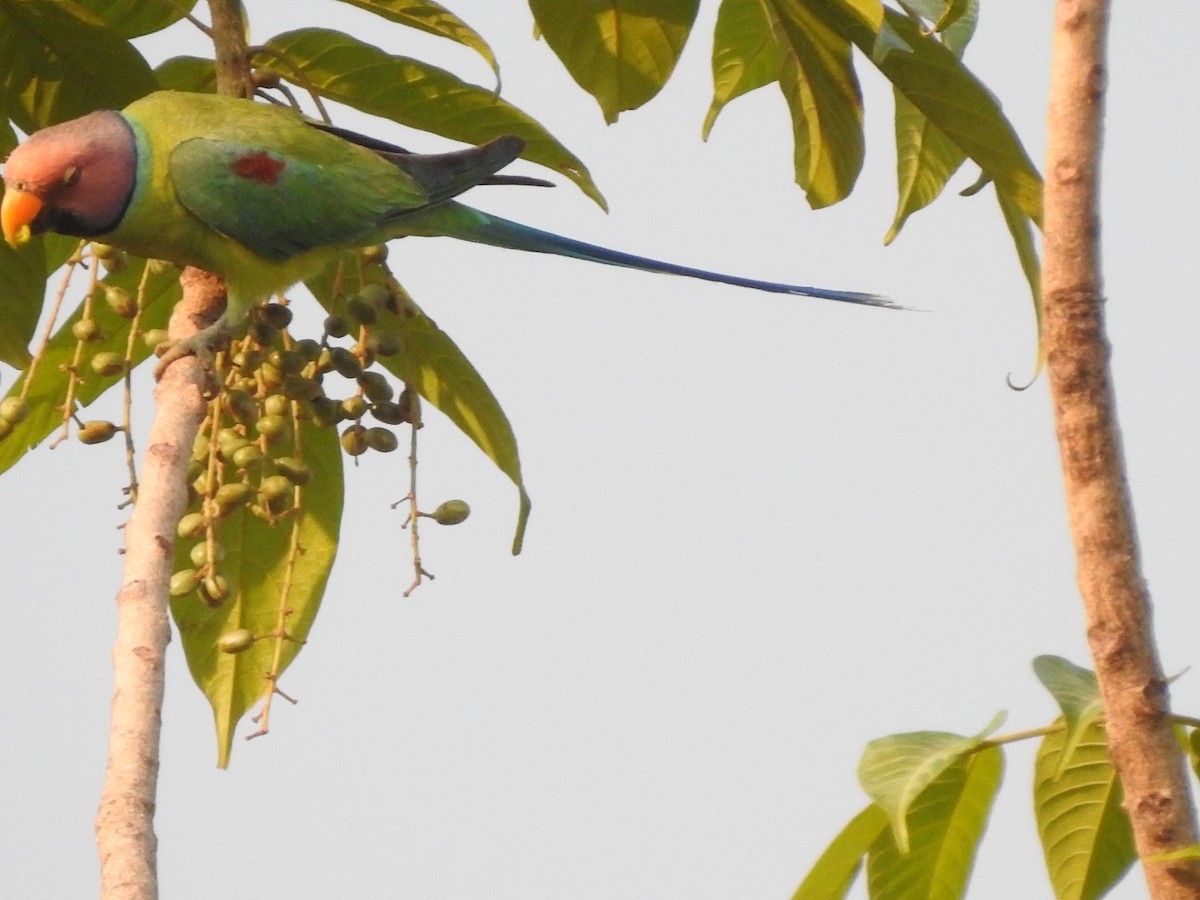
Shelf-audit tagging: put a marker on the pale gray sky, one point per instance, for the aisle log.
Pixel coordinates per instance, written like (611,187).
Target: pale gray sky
(765,530)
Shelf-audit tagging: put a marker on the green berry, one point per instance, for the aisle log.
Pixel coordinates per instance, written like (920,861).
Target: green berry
(354,440)
(184,582)
(199,554)
(230,496)
(354,407)
(308,349)
(14,410)
(191,526)
(452,512)
(294,470)
(107,364)
(120,301)
(97,431)
(384,343)
(216,588)
(247,457)
(345,363)
(383,440)
(276,429)
(236,641)
(326,412)
(86,331)
(241,406)
(274,314)
(375,386)
(298,387)
(361,311)
(154,337)
(337,326)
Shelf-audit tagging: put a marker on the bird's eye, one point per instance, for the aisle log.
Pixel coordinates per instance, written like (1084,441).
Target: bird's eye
(70,176)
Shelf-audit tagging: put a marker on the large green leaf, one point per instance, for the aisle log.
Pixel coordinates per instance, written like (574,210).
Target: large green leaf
(49,384)
(925,157)
(432,18)
(439,371)
(134,18)
(943,89)
(1085,834)
(413,93)
(925,161)
(947,821)
(745,55)
(620,51)
(894,770)
(818,81)
(833,874)
(58,61)
(256,563)
(187,73)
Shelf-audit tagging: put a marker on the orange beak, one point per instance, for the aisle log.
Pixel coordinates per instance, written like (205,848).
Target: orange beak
(18,209)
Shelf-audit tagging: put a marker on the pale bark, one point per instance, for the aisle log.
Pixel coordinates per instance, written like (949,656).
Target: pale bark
(1141,741)
(125,822)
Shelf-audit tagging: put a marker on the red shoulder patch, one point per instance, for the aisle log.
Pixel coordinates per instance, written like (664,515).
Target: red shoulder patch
(260,167)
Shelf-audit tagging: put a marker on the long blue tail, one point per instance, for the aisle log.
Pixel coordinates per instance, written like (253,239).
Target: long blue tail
(469,224)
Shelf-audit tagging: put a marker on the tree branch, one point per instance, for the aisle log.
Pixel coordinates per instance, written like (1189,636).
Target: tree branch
(1140,738)
(125,822)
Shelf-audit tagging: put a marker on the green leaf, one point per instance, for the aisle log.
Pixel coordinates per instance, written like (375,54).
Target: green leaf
(58,61)
(941,87)
(620,51)
(894,770)
(48,387)
(439,371)
(22,288)
(745,55)
(1085,833)
(255,563)
(432,18)
(834,873)
(947,821)
(413,93)
(937,83)
(1077,694)
(925,161)
(187,73)
(134,18)
(925,158)
(822,93)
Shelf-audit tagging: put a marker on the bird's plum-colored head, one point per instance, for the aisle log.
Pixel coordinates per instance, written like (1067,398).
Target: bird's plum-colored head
(75,178)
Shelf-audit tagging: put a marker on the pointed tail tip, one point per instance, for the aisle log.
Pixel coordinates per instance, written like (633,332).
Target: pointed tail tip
(877,300)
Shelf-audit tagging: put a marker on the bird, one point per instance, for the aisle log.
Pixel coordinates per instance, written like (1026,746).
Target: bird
(264,197)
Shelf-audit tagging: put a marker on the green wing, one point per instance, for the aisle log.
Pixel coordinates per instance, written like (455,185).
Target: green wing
(282,202)
(281,187)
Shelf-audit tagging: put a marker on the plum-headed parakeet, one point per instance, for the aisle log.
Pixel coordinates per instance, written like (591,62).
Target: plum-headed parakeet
(263,197)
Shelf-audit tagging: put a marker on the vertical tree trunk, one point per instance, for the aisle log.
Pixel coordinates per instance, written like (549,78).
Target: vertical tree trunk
(1141,740)
(125,822)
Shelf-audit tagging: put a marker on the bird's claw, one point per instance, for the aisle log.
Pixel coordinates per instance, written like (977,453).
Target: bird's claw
(200,345)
